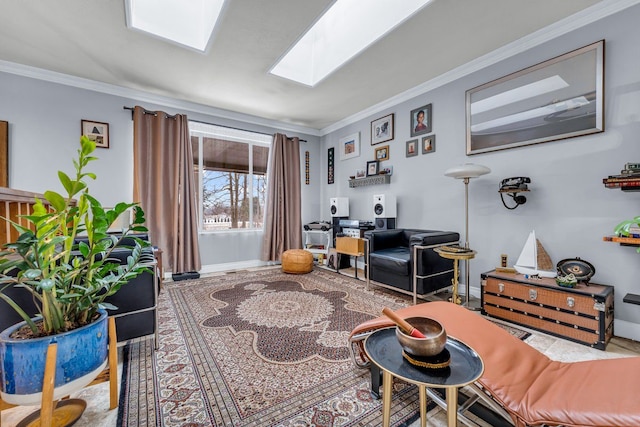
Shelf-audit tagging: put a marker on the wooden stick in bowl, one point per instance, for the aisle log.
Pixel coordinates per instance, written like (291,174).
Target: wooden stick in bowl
(403,324)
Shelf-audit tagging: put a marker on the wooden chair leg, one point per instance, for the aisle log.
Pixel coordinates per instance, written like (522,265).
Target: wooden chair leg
(46,410)
(113,364)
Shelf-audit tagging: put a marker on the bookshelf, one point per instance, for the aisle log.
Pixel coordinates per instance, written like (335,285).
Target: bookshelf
(628,180)
(626,241)
(624,183)
(370,180)
(632,241)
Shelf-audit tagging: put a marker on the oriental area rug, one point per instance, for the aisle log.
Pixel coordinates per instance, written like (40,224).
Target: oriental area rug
(260,348)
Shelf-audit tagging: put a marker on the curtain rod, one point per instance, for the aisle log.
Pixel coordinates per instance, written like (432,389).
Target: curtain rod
(154,113)
(205,123)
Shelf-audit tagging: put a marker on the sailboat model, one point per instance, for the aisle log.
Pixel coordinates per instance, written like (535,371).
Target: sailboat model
(534,259)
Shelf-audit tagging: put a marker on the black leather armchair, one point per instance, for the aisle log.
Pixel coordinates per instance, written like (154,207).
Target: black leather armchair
(391,254)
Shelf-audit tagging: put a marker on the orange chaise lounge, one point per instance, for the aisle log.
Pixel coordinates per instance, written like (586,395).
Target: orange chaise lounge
(530,388)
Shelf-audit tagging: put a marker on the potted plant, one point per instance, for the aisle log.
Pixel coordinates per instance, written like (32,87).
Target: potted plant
(628,228)
(62,258)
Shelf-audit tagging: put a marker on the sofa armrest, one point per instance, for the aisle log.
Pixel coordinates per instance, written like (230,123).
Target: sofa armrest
(429,261)
(430,238)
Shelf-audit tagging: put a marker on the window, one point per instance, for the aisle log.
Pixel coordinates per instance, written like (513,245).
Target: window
(231,170)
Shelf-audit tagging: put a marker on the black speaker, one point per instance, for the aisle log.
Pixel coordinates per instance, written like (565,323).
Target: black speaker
(385,223)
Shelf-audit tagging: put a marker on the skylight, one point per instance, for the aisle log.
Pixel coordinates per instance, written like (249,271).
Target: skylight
(345,30)
(188,23)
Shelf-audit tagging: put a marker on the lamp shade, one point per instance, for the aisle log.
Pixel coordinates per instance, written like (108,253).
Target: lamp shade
(467,170)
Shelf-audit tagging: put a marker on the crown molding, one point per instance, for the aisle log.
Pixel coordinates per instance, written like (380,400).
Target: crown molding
(573,22)
(142,96)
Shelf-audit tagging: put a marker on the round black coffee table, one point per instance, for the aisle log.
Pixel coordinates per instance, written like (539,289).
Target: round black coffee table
(466,366)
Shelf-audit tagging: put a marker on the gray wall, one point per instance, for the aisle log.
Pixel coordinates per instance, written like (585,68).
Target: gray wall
(568,206)
(44,133)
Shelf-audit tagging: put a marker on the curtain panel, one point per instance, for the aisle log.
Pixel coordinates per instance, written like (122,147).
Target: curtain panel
(164,185)
(283,218)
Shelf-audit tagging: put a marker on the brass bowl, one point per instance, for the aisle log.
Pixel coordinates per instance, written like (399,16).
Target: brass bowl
(433,343)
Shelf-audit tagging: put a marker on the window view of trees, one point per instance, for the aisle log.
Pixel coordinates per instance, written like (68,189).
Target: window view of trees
(233,180)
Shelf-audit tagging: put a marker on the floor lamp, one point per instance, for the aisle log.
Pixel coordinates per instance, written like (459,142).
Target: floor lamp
(466,172)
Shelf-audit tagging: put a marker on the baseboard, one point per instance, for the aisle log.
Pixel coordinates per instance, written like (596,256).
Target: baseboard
(241,265)
(462,290)
(625,329)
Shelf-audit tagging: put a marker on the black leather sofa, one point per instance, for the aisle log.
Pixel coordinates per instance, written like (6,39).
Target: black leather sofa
(391,260)
(136,315)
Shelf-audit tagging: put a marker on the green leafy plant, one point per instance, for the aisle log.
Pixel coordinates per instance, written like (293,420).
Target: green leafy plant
(69,278)
(623,228)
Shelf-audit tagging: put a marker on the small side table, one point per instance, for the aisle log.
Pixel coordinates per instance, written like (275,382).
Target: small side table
(356,247)
(384,351)
(456,256)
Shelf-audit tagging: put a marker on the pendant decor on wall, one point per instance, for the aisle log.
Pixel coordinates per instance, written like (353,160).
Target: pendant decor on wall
(306,167)
(330,165)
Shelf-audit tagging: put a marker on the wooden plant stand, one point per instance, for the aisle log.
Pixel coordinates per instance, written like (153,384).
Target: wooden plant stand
(46,414)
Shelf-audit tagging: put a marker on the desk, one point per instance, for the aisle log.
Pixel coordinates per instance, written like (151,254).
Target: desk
(353,246)
(456,256)
(384,351)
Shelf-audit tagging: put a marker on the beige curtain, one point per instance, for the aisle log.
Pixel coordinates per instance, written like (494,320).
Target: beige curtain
(164,184)
(283,220)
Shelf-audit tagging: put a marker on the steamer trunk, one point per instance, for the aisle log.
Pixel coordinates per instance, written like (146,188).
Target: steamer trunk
(583,314)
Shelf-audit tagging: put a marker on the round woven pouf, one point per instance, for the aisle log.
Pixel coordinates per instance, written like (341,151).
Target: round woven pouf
(297,261)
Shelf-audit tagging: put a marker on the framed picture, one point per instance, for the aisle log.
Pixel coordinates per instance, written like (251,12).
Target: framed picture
(372,167)
(330,165)
(428,144)
(382,153)
(360,173)
(350,146)
(97,132)
(556,99)
(421,120)
(382,129)
(412,148)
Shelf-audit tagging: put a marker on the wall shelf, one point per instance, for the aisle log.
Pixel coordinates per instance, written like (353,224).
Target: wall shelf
(622,240)
(370,180)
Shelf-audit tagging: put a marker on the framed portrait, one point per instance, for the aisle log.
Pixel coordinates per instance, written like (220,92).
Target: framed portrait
(360,173)
(421,120)
(372,167)
(350,146)
(97,132)
(382,129)
(382,153)
(428,144)
(412,148)
(556,99)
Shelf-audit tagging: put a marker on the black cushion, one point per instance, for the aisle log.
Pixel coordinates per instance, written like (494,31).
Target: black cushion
(396,260)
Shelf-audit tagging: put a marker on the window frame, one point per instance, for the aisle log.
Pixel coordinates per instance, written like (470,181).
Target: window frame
(199,131)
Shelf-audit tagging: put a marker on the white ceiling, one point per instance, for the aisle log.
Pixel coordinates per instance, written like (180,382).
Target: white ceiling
(89,39)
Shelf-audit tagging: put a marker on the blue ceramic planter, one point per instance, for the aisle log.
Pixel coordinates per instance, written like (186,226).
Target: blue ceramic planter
(82,355)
